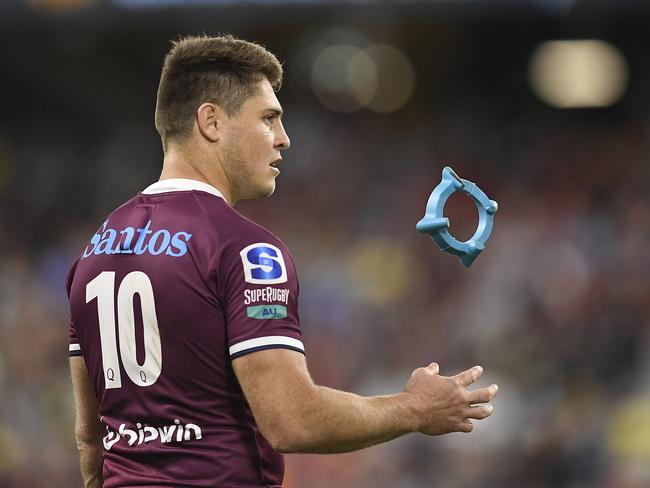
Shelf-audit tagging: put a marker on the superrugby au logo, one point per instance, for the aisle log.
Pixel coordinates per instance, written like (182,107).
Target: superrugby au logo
(263,264)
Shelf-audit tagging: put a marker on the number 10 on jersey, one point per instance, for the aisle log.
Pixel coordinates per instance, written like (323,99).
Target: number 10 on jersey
(103,289)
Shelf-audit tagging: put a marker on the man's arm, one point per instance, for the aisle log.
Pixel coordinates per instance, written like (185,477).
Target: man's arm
(296,415)
(88,428)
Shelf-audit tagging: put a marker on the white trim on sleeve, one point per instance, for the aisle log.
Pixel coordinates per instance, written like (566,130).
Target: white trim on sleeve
(266,341)
(74,347)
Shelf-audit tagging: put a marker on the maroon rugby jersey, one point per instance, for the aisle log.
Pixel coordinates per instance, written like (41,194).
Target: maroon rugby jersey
(172,287)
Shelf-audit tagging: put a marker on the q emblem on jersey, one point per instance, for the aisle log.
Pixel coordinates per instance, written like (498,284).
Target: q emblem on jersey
(263,264)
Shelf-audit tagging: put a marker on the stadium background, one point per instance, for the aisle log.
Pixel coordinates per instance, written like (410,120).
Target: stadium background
(556,309)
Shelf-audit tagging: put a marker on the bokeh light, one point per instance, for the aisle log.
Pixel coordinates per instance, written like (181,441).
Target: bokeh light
(344,78)
(395,78)
(578,73)
(347,78)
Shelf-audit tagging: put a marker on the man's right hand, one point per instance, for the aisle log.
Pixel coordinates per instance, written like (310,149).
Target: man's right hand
(443,404)
(296,415)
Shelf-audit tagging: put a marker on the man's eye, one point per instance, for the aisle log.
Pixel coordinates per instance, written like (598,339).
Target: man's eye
(269,118)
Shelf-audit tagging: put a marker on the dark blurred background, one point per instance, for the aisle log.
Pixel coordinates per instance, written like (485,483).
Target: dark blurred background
(544,103)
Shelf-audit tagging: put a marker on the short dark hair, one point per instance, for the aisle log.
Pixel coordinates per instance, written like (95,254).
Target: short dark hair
(223,70)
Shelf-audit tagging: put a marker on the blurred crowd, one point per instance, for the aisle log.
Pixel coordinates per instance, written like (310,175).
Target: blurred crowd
(556,309)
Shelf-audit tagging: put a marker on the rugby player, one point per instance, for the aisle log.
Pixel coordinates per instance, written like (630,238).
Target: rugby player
(187,360)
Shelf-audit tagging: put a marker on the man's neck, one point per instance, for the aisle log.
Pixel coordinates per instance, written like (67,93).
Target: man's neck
(180,164)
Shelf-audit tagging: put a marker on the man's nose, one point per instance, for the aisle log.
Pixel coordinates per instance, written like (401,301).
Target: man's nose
(282,139)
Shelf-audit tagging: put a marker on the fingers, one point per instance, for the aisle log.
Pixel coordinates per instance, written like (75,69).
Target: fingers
(482,395)
(433,368)
(466,426)
(468,377)
(479,413)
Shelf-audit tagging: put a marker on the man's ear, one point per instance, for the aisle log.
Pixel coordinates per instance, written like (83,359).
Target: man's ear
(210,118)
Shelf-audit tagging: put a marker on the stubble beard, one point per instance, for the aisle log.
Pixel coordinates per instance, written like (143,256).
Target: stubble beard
(239,173)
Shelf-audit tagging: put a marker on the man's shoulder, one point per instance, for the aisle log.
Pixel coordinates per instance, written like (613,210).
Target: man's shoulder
(200,216)
(245,232)
(217,212)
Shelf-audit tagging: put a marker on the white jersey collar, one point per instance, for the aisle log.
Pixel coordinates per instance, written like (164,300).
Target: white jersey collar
(181,184)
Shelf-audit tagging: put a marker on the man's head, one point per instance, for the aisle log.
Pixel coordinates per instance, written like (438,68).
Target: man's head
(217,94)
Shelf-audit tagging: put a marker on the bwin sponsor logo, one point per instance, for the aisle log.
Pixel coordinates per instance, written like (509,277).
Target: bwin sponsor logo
(137,241)
(168,433)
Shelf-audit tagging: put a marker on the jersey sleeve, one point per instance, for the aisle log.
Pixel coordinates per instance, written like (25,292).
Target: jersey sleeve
(74,347)
(260,294)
